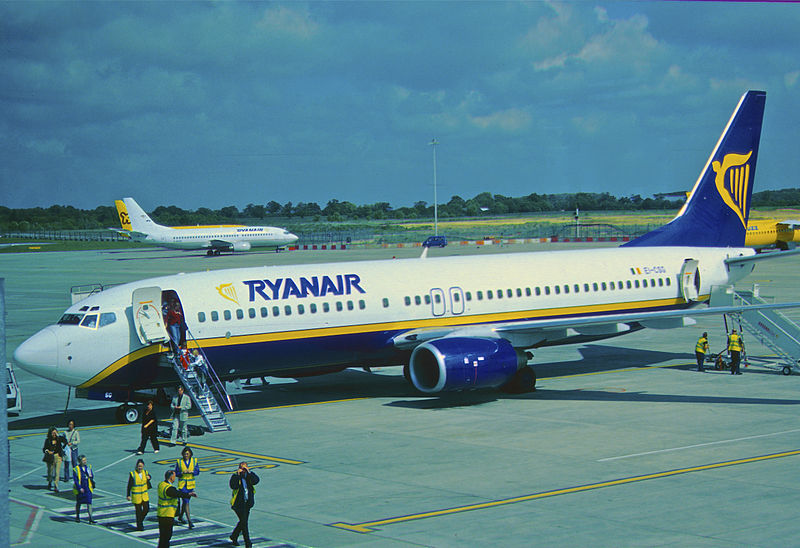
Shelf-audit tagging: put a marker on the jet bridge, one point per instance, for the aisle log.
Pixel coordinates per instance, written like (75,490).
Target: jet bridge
(769,327)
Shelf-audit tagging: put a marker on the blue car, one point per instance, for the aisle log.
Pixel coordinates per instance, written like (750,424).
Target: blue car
(435,241)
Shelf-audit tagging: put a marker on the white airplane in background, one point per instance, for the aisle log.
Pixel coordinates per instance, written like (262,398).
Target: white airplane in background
(215,238)
(454,323)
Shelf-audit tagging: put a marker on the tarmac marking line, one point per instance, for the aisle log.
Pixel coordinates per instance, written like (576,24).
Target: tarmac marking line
(240,453)
(31,524)
(369,526)
(699,445)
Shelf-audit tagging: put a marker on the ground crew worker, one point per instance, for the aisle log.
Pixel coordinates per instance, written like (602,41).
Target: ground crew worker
(168,507)
(700,350)
(138,484)
(735,347)
(83,487)
(243,494)
(186,469)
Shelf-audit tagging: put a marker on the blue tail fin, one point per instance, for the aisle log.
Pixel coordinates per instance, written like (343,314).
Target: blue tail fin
(716,212)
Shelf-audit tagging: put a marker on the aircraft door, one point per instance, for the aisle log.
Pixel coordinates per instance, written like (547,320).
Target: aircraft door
(690,280)
(456,300)
(147,318)
(438,306)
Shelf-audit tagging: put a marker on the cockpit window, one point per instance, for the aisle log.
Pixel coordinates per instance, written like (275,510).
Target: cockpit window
(90,320)
(70,319)
(107,318)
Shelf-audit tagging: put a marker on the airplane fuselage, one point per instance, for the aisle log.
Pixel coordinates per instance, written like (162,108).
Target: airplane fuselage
(302,319)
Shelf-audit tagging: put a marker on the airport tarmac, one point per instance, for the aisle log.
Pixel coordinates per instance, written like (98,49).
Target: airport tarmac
(622,444)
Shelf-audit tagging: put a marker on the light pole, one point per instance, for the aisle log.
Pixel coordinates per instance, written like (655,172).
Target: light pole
(433,143)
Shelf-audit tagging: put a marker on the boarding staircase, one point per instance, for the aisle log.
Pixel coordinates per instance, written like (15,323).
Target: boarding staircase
(205,389)
(771,328)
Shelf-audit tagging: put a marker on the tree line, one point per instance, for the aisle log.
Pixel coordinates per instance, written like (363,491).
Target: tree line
(59,217)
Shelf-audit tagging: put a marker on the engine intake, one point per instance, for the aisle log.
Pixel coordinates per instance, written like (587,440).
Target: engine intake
(463,363)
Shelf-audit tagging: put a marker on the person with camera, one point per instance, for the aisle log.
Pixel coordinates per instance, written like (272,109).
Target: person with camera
(242,484)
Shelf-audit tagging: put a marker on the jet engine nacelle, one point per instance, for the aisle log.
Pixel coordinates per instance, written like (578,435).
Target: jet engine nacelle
(241,246)
(463,363)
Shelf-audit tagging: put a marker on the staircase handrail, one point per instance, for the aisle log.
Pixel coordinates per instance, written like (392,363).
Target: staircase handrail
(216,383)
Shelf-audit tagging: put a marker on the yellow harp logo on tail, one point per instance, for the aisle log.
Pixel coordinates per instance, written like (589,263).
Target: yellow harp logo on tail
(227,291)
(733,180)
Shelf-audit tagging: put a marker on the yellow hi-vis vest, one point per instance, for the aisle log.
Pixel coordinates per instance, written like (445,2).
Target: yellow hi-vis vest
(139,487)
(77,470)
(734,342)
(236,492)
(167,507)
(702,345)
(186,481)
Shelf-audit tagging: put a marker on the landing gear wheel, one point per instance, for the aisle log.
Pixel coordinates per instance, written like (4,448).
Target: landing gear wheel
(127,414)
(786,370)
(210,252)
(522,382)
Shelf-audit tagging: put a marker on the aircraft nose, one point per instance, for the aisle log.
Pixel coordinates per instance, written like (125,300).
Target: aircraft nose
(39,354)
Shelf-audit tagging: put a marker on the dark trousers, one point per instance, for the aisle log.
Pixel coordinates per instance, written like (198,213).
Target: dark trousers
(151,435)
(243,513)
(165,531)
(700,359)
(141,513)
(735,357)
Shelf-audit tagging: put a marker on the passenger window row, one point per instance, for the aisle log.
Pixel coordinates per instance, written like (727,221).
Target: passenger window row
(285,310)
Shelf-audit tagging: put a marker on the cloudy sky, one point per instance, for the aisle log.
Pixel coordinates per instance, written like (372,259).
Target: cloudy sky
(214,104)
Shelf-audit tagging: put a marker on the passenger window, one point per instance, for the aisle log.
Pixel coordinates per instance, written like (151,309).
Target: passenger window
(594,286)
(287,310)
(456,297)
(586,287)
(661,282)
(636,284)
(326,307)
(490,295)
(201,317)
(469,296)
(313,308)
(576,288)
(603,286)
(527,291)
(239,314)
(301,309)
(386,302)
(407,300)
(362,305)
(349,305)
(427,299)
(538,291)
(251,312)
(480,295)
(519,292)
(547,290)
(558,289)
(499,293)
(628,284)
(339,306)
(417,300)
(227,314)
(264,312)
(437,298)
(668,282)
(214,316)
(276,311)
(509,293)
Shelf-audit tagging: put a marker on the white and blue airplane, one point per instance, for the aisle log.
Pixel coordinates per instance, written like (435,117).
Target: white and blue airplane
(454,323)
(214,238)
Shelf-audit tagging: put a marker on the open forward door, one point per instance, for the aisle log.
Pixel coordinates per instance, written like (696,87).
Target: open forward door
(147,315)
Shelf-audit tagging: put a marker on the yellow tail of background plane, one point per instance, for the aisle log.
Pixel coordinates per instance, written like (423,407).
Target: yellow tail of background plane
(122,212)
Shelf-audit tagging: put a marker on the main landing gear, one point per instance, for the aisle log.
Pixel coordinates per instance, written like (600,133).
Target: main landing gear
(127,413)
(213,252)
(522,382)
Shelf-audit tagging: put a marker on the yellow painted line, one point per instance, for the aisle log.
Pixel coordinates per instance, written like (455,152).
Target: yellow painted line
(237,453)
(369,526)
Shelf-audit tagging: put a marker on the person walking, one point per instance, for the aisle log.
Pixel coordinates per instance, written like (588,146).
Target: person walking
(149,428)
(53,450)
(700,350)
(735,347)
(243,494)
(138,484)
(180,416)
(186,469)
(71,440)
(83,487)
(167,507)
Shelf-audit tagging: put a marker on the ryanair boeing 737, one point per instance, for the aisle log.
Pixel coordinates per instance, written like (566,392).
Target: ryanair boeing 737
(454,323)
(214,238)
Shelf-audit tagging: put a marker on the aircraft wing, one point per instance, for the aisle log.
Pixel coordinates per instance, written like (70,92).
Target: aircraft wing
(789,224)
(529,333)
(222,244)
